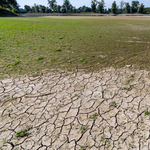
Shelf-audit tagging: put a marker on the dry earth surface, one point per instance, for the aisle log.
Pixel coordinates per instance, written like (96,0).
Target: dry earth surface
(101,110)
(104,17)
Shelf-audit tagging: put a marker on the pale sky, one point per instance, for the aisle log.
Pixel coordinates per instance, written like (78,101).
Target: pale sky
(77,3)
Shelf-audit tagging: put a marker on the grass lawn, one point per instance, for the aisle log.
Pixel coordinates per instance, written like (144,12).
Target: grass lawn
(30,45)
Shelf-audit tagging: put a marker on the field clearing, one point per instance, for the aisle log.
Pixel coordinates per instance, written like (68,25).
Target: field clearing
(100,101)
(30,45)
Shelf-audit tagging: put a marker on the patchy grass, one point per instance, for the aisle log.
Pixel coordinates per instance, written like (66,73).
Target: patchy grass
(147,113)
(83,60)
(35,75)
(101,42)
(58,50)
(112,104)
(102,138)
(16,63)
(83,147)
(40,58)
(84,129)
(22,133)
(94,116)
(127,88)
(131,78)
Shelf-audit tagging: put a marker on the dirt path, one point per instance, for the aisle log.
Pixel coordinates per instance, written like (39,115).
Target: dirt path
(102,17)
(76,111)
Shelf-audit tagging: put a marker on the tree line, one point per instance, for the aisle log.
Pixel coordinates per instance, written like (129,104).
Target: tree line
(96,6)
(135,7)
(67,7)
(10,4)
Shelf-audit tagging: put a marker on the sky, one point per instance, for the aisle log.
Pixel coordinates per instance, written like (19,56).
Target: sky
(77,3)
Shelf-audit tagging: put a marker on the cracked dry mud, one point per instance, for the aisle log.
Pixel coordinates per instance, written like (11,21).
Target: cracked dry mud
(77,111)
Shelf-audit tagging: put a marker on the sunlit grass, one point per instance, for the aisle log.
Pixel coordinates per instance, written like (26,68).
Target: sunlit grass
(101,42)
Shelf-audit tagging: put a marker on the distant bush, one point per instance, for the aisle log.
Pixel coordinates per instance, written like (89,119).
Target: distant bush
(14,10)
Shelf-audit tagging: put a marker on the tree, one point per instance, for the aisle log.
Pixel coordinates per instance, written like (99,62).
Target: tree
(33,9)
(55,8)
(42,8)
(67,5)
(114,7)
(88,9)
(36,8)
(74,9)
(93,5)
(121,5)
(58,8)
(48,10)
(27,8)
(1,3)
(134,6)
(141,8)
(100,7)
(63,9)
(71,8)
(52,3)
(84,9)
(147,10)
(8,3)
(127,8)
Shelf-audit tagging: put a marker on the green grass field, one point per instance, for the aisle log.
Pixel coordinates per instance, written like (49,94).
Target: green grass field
(30,45)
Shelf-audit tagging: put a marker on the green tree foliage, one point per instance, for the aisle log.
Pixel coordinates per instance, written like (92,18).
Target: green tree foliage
(74,9)
(48,10)
(36,8)
(84,9)
(54,7)
(32,9)
(141,8)
(67,5)
(122,5)
(134,6)
(58,8)
(14,10)
(63,9)
(127,8)
(114,7)
(71,8)
(147,10)
(8,4)
(100,7)
(42,8)
(27,8)
(93,5)
(52,3)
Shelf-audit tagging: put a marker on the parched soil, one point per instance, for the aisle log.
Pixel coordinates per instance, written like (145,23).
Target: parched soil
(108,109)
(146,18)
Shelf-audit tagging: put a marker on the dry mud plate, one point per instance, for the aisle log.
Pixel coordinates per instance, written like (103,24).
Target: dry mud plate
(76,111)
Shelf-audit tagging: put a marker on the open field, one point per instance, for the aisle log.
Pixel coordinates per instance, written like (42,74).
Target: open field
(30,45)
(87,85)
